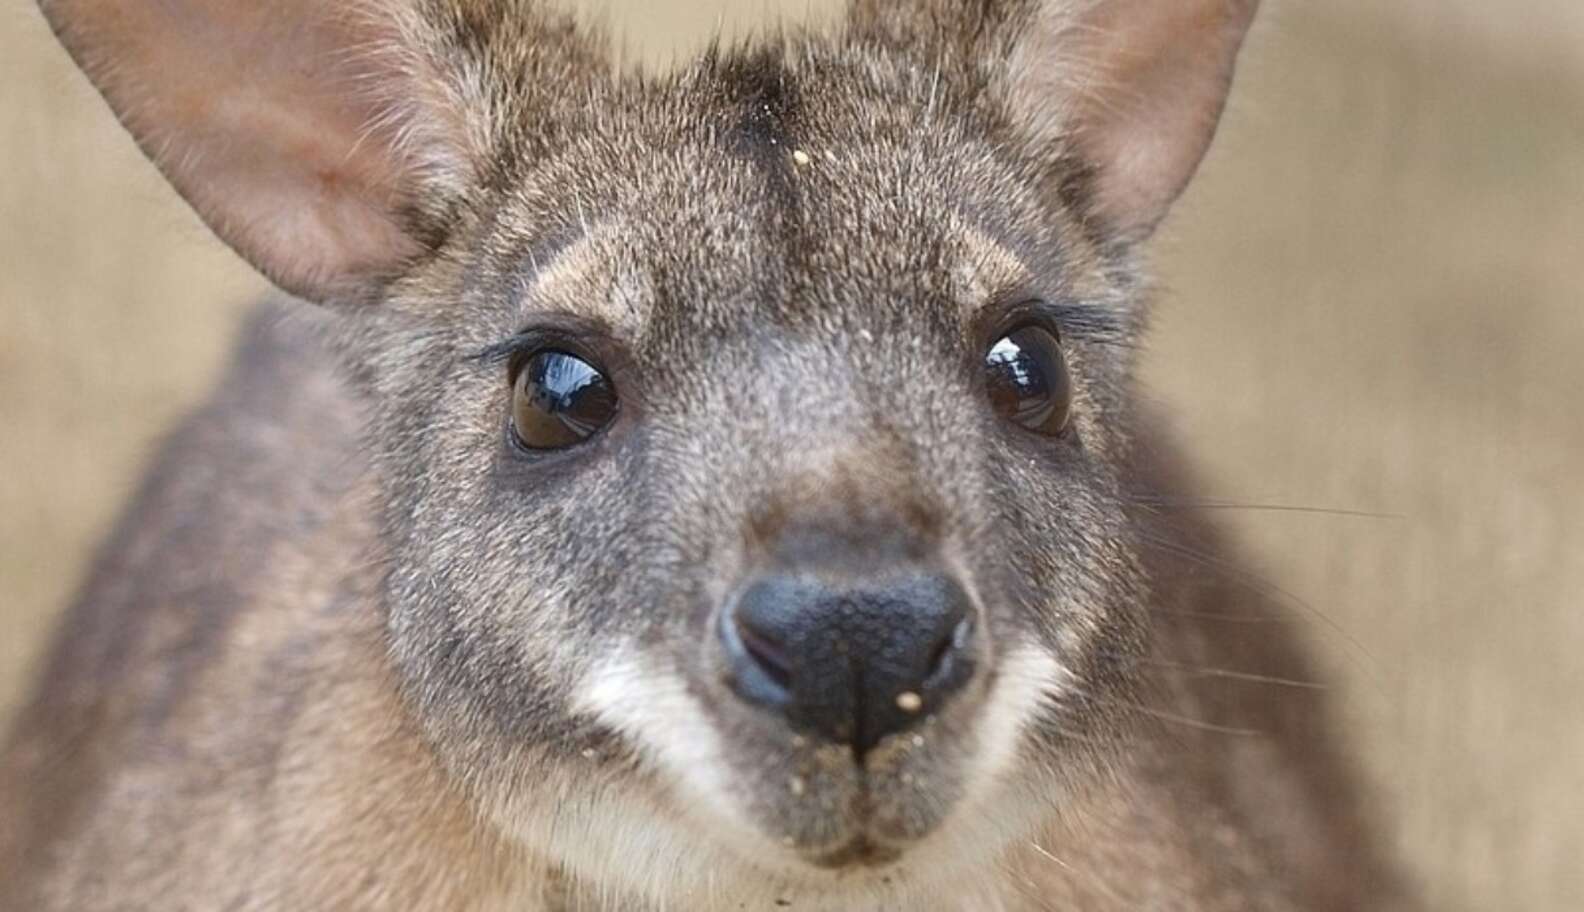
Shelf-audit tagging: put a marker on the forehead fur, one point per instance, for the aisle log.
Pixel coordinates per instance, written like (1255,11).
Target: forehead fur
(792,176)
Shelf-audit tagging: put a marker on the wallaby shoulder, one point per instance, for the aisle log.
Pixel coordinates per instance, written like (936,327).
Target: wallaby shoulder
(219,686)
(259,464)
(1241,716)
(1235,779)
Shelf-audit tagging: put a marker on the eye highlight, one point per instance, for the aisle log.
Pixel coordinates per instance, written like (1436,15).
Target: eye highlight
(559,400)
(1026,376)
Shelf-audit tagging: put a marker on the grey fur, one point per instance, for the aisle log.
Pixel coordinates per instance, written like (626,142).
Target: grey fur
(335,656)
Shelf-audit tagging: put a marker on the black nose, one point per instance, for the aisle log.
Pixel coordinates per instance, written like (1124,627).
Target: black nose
(852,664)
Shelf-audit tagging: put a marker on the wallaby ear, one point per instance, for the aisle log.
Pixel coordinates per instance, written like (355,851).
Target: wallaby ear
(1132,88)
(1136,87)
(323,140)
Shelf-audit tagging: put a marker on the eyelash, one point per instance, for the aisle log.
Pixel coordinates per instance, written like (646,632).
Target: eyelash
(1087,323)
(511,349)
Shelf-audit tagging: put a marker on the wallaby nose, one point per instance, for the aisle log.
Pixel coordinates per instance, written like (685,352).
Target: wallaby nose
(852,664)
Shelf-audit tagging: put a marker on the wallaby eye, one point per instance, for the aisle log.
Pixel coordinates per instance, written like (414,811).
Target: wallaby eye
(1028,381)
(559,399)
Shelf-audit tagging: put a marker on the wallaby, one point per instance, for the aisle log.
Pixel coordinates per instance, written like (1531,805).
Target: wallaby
(711,491)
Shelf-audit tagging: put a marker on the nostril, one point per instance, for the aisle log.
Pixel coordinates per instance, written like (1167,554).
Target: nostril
(940,661)
(767,652)
(758,662)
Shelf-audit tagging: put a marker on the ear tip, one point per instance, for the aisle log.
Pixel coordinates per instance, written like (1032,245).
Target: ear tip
(1243,12)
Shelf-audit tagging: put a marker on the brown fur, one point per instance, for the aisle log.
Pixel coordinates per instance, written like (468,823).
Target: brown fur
(352,650)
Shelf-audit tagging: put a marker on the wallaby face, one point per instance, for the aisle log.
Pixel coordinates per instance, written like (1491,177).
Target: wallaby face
(833,571)
(751,444)
(843,545)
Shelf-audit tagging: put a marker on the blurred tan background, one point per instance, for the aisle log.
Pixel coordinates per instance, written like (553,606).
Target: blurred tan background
(1375,303)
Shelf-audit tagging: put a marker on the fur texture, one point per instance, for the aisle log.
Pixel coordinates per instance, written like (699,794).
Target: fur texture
(352,648)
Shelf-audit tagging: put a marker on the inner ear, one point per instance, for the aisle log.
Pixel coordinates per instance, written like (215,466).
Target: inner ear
(1133,88)
(329,143)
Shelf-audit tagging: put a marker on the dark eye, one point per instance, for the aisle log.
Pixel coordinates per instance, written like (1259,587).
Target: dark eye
(559,399)
(1028,382)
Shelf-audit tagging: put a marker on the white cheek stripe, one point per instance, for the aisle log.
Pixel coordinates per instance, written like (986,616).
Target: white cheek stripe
(652,708)
(1029,678)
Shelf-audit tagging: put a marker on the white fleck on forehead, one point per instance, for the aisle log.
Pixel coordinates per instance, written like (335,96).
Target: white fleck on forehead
(595,277)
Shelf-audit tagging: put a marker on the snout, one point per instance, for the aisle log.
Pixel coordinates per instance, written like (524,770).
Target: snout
(849,662)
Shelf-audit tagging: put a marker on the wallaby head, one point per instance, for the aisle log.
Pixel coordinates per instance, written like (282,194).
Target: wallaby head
(752,441)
